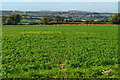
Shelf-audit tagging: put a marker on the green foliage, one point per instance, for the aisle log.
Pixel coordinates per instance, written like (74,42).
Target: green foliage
(45,20)
(58,19)
(13,19)
(4,19)
(71,20)
(33,23)
(40,52)
(115,19)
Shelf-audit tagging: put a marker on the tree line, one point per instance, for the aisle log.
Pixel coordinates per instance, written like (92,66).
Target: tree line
(14,19)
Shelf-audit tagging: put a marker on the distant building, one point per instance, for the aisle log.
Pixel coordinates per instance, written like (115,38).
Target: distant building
(83,20)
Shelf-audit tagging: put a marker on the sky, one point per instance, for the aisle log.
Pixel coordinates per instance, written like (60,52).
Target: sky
(59,0)
(61,5)
(111,7)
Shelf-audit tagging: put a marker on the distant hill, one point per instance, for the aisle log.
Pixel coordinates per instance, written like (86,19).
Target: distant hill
(76,11)
(7,12)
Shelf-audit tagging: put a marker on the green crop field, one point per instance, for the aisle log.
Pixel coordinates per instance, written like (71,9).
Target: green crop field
(59,51)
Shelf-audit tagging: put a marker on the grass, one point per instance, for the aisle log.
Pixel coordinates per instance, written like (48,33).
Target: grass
(59,51)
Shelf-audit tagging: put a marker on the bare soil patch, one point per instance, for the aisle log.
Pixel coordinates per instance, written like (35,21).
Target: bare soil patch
(62,25)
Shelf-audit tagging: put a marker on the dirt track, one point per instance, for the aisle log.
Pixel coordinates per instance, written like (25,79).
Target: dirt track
(63,25)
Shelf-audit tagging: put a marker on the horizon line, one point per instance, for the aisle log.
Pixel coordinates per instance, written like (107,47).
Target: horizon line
(55,11)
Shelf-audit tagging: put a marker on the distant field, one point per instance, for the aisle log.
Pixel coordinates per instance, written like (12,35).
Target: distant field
(59,51)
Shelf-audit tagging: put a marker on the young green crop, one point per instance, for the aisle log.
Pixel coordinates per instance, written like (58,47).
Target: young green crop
(59,51)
